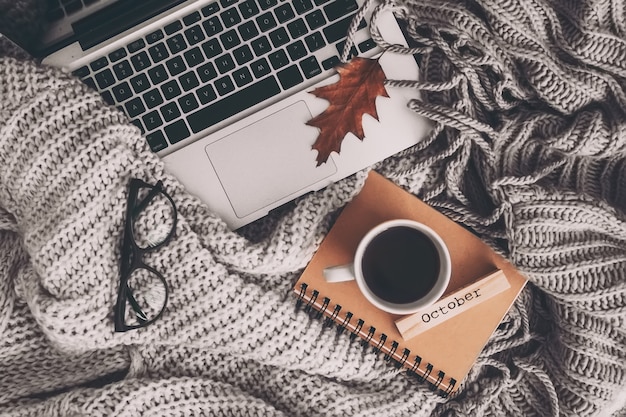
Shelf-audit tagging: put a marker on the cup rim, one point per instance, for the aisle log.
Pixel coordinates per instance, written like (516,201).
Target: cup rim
(443,279)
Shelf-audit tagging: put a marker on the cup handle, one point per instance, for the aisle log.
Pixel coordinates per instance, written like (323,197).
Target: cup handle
(339,273)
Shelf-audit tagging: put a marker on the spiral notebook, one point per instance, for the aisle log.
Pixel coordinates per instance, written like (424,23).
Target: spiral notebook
(441,356)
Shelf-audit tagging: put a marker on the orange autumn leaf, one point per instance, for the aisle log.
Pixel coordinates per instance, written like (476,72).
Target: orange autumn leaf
(361,81)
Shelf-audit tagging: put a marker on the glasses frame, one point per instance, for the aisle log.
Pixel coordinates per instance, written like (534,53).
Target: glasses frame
(132,254)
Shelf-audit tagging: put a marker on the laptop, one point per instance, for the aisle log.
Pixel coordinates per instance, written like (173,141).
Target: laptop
(221,89)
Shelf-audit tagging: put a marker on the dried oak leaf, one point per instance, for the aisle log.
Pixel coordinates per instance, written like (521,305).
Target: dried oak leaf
(361,81)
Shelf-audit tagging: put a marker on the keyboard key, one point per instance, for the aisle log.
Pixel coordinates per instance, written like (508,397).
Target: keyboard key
(242,77)
(314,41)
(99,63)
(367,45)
(212,48)
(173,27)
(212,26)
(261,46)
(135,46)
(123,70)
(310,67)
(284,12)
(176,65)
(315,19)
(89,82)
(248,30)
(176,44)
(140,83)
(108,98)
(260,68)
(192,18)
(338,30)
(140,61)
(206,94)
(134,107)
(117,55)
(177,131)
(331,62)
(290,77)
(156,140)
(267,4)
(230,39)
(230,17)
(170,112)
(225,85)
(194,35)
(296,50)
(194,57)
(158,74)
(244,99)
(155,36)
(224,63)
(188,103)
(297,28)
(278,59)
(207,72)
(248,9)
(302,6)
(171,89)
(137,123)
(152,120)
(152,99)
(266,22)
(243,54)
(122,92)
(81,72)
(188,81)
(226,3)
(158,52)
(342,45)
(339,8)
(105,79)
(279,37)
(210,9)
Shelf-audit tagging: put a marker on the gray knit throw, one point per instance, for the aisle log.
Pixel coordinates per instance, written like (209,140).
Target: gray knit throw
(528,150)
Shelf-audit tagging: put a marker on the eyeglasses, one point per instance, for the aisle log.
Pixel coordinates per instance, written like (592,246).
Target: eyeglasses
(150,224)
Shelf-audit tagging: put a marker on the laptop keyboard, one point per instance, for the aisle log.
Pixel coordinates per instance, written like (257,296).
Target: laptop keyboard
(196,72)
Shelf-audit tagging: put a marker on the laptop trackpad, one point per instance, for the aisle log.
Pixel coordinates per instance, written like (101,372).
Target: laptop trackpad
(268,160)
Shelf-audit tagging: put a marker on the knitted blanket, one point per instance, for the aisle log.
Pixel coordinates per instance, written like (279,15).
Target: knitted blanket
(528,150)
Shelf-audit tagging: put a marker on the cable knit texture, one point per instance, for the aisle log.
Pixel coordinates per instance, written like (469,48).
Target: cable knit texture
(528,150)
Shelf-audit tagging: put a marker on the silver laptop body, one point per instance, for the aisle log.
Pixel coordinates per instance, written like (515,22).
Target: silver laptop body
(221,90)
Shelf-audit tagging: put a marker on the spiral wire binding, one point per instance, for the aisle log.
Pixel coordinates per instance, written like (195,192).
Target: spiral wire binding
(415,370)
(394,347)
(346,321)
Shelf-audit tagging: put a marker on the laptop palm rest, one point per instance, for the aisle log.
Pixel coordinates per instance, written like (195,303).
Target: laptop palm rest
(268,160)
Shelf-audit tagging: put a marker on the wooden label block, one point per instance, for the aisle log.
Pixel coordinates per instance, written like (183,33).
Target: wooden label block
(452,305)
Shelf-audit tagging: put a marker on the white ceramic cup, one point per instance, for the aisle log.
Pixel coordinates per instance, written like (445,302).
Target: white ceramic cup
(354,270)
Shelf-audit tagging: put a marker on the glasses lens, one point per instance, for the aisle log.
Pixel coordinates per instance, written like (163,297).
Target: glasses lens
(145,298)
(153,218)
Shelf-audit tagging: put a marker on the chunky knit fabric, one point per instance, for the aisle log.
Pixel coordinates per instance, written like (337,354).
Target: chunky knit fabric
(528,150)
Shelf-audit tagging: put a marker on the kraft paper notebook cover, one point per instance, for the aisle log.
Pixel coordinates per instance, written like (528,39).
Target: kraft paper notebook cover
(442,355)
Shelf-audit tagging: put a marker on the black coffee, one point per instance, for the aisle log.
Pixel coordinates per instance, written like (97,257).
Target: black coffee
(400,265)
